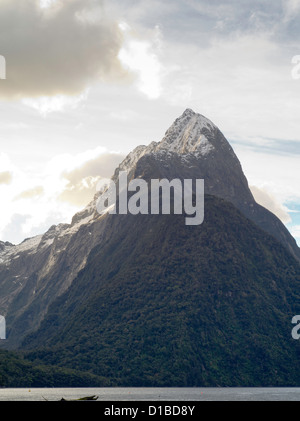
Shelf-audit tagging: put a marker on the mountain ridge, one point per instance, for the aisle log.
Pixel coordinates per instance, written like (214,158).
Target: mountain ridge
(36,272)
(164,304)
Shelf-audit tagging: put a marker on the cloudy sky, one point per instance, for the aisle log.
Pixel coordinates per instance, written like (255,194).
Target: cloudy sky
(89,80)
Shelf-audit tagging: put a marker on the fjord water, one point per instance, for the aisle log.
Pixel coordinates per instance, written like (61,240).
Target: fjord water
(154,394)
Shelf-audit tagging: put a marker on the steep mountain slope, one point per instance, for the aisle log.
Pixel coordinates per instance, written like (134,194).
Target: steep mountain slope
(193,147)
(165,304)
(15,371)
(36,272)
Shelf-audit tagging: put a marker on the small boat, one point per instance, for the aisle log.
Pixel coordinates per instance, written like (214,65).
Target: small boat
(86,398)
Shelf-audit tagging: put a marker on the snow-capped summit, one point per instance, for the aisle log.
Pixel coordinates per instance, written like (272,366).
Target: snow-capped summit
(188,134)
(194,148)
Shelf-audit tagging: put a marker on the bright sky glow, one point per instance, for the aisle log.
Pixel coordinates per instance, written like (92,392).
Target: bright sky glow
(86,82)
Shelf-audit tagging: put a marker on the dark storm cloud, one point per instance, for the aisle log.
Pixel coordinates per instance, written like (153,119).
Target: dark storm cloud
(56,50)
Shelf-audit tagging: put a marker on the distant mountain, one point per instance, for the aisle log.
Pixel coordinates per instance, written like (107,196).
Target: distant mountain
(146,300)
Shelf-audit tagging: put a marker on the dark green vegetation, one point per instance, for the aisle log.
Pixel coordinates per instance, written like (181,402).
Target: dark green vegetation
(15,371)
(159,303)
(165,304)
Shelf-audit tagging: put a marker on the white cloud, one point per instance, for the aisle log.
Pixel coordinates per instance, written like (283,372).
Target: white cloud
(242,83)
(46,3)
(58,103)
(35,201)
(277,174)
(295,231)
(124,115)
(291,9)
(269,201)
(5,162)
(141,56)
(5,177)
(216,58)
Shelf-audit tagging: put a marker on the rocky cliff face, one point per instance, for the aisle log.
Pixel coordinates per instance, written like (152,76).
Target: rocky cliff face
(40,269)
(161,303)
(193,147)
(34,273)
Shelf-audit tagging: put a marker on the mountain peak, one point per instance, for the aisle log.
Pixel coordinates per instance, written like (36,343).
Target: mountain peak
(194,148)
(189,134)
(200,119)
(188,112)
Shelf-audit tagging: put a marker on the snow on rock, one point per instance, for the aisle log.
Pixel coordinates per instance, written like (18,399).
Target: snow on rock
(29,245)
(187,135)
